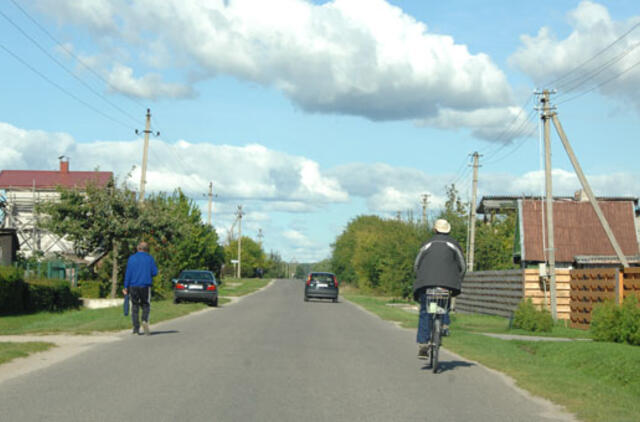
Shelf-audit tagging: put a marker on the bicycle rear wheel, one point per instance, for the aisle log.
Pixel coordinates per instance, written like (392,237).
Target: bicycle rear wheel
(435,341)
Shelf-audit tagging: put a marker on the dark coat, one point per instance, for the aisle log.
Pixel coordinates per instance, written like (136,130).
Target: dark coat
(440,263)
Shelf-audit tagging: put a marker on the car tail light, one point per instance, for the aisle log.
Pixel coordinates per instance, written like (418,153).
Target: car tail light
(211,287)
(309,280)
(180,286)
(335,281)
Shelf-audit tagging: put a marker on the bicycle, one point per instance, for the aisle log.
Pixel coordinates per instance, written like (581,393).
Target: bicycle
(438,301)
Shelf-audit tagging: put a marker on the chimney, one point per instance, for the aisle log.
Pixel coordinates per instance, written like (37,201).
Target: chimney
(64,165)
(581,196)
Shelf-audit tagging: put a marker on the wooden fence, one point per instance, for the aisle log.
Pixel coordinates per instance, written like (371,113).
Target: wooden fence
(499,292)
(592,286)
(491,292)
(538,290)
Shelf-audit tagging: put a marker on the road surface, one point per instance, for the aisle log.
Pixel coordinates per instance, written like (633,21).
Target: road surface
(269,357)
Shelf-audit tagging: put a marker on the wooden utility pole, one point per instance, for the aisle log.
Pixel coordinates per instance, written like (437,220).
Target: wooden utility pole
(589,192)
(551,252)
(472,210)
(145,154)
(239,217)
(260,236)
(210,201)
(425,201)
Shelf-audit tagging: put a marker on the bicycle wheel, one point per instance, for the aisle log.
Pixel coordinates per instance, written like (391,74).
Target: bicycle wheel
(435,340)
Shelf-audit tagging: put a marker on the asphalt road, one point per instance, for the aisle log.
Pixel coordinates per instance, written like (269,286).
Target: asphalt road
(270,357)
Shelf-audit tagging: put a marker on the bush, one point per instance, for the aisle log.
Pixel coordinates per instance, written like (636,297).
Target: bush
(12,290)
(91,289)
(51,296)
(528,317)
(619,324)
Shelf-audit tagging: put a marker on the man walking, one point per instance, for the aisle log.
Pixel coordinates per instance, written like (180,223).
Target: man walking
(439,263)
(141,268)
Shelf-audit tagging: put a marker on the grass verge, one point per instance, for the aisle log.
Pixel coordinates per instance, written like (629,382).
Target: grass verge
(86,321)
(10,351)
(595,381)
(242,287)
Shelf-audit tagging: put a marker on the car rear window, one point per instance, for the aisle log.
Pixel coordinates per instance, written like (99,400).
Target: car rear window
(322,278)
(196,275)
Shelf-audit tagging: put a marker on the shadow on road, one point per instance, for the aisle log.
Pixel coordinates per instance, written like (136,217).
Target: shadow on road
(156,333)
(449,365)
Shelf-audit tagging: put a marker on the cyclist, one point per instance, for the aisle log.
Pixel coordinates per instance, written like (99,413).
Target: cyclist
(439,263)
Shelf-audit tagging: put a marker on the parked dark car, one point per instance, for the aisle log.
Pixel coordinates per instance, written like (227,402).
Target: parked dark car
(197,286)
(321,286)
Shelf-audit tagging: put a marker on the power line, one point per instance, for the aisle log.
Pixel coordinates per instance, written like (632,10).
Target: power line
(555,81)
(44,50)
(71,53)
(595,72)
(65,91)
(600,84)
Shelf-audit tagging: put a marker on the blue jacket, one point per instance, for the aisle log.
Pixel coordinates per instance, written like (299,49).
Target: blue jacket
(141,268)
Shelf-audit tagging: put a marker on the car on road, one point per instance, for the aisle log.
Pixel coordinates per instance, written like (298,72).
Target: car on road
(196,286)
(322,286)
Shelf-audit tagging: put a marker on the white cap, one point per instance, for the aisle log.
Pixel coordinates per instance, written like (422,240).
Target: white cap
(442,226)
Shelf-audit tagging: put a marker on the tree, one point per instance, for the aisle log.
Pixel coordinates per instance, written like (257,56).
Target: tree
(252,255)
(494,243)
(98,219)
(109,219)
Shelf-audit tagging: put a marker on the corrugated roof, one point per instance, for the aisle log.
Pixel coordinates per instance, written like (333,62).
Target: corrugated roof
(503,202)
(51,179)
(577,230)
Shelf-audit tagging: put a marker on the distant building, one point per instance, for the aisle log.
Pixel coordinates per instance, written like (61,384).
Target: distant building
(21,190)
(580,241)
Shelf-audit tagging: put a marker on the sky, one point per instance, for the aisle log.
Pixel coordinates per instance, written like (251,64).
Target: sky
(310,113)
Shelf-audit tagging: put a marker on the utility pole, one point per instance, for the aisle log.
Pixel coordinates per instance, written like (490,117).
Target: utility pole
(425,201)
(551,252)
(589,192)
(472,210)
(239,219)
(210,201)
(260,236)
(145,154)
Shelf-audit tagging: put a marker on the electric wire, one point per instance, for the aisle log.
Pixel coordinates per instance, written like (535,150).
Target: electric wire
(630,30)
(72,54)
(62,89)
(595,72)
(44,50)
(600,84)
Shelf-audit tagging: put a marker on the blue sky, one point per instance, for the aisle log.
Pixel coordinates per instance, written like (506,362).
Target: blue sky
(311,113)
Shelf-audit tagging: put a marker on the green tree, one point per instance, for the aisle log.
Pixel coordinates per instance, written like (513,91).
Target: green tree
(494,243)
(456,213)
(94,219)
(252,255)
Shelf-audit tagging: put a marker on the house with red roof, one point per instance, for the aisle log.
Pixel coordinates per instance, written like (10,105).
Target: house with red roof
(21,190)
(580,241)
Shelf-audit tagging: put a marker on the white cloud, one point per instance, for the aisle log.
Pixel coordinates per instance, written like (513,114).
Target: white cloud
(357,57)
(297,239)
(250,172)
(503,124)
(546,58)
(150,86)
(564,183)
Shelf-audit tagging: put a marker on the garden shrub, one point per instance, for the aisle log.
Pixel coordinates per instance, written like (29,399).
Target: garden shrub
(51,296)
(528,317)
(614,323)
(12,290)
(91,289)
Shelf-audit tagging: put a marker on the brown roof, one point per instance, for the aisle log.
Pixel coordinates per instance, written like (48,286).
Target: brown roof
(577,230)
(43,179)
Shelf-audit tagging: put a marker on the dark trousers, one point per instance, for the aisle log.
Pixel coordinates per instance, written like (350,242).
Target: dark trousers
(424,321)
(140,297)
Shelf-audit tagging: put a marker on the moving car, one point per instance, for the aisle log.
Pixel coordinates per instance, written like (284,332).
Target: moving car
(322,286)
(196,285)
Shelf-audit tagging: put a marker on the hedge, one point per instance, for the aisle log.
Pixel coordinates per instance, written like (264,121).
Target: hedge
(18,296)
